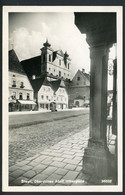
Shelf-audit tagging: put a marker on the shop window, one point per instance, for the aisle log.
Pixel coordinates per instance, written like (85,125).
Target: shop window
(14,84)
(22,85)
(28,96)
(20,96)
(41,105)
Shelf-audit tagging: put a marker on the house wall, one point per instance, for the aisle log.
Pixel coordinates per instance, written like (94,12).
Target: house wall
(18,78)
(46,96)
(81,102)
(53,67)
(74,92)
(80,80)
(62,98)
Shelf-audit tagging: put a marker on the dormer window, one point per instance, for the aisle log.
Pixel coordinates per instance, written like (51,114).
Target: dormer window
(22,85)
(14,84)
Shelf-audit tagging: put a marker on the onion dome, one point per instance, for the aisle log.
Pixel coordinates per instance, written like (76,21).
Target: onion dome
(47,44)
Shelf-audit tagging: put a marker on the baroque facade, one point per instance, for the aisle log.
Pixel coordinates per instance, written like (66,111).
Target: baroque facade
(49,75)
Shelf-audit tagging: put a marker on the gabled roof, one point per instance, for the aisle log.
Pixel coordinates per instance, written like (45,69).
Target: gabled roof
(84,75)
(32,66)
(14,64)
(55,85)
(62,83)
(87,76)
(79,98)
(37,83)
(60,52)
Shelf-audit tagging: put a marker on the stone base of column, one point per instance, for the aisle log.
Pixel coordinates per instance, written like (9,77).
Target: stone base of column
(97,162)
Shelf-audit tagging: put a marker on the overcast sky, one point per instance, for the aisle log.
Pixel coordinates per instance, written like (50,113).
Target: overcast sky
(28,32)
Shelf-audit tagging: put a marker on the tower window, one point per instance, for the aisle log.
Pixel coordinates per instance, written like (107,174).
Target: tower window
(44,58)
(47,97)
(78,78)
(49,58)
(59,62)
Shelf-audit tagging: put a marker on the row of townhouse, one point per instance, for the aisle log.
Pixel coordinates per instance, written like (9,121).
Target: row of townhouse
(37,82)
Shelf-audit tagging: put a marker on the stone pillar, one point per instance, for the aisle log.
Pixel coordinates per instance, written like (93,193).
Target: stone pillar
(100,29)
(96,156)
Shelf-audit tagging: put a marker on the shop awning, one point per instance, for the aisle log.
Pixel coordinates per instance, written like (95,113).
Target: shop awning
(26,102)
(12,101)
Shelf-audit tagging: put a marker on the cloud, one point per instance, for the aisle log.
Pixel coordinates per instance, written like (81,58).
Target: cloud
(64,36)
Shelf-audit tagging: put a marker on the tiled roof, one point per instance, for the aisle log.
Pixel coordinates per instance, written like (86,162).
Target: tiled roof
(37,83)
(79,98)
(55,85)
(32,66)
(14,64)
(86,75)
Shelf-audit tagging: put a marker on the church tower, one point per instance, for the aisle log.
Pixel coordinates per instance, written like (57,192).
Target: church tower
(46,56)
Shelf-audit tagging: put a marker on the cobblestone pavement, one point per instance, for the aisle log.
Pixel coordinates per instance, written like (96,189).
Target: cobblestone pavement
(60,164)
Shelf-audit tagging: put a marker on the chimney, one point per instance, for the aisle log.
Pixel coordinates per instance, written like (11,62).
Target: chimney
(83,70)
(33,77)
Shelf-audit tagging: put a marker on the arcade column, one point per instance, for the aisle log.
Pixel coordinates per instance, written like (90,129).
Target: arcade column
(100,32)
